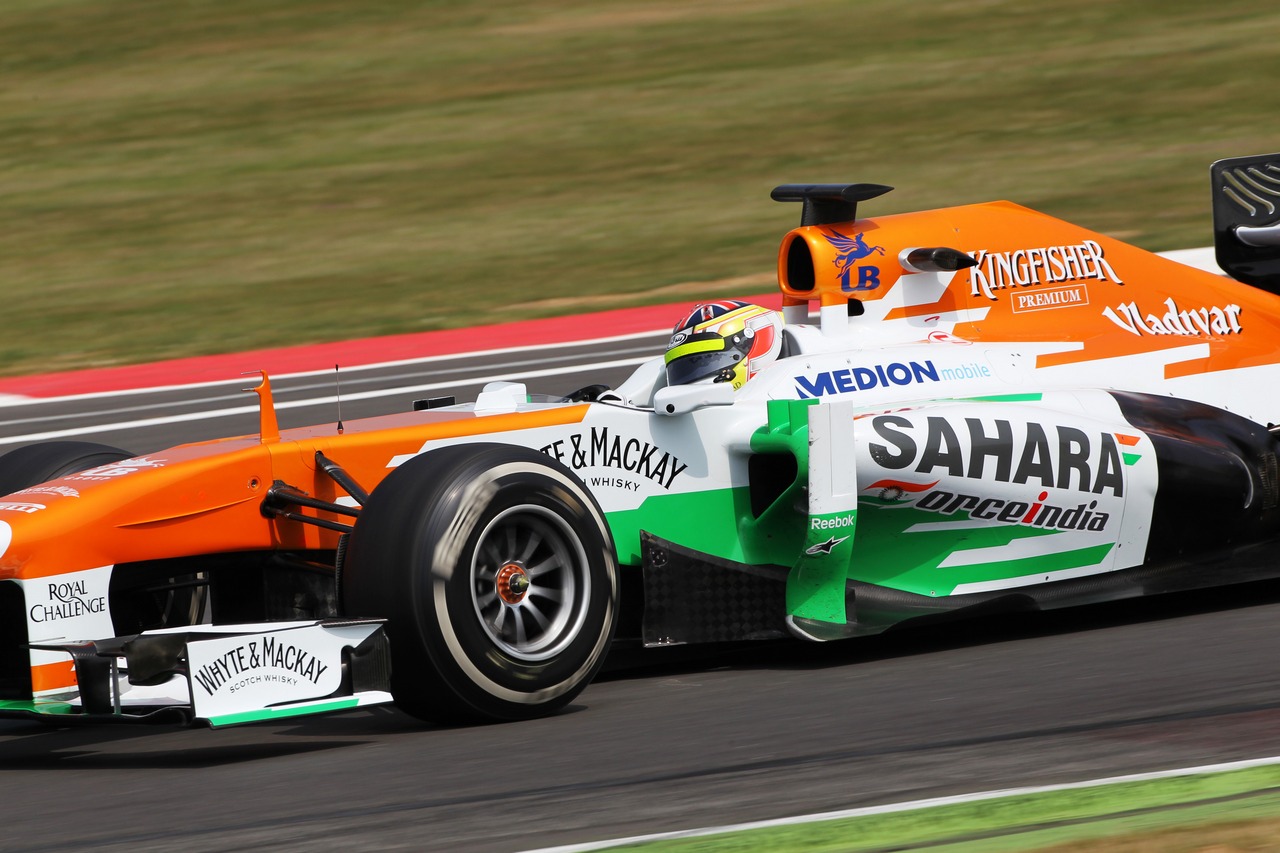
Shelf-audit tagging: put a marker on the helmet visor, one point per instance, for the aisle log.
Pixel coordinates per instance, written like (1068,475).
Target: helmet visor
(702,357)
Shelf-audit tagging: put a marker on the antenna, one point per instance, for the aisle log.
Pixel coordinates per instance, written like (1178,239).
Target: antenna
(338,387)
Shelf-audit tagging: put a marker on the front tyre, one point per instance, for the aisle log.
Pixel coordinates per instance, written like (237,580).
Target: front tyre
(496,571)
(39,463)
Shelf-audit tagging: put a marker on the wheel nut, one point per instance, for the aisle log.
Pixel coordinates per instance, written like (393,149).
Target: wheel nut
(512,583)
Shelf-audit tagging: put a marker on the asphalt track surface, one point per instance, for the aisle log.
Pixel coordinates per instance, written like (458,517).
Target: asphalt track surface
(667,739)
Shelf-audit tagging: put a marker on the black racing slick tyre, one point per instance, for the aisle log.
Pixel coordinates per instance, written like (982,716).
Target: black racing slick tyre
(39,463)
(496,572)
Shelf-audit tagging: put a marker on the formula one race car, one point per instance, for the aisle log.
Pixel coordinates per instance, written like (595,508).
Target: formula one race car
(995,410)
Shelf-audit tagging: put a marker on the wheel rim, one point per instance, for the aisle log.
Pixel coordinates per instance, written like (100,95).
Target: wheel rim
(529,583)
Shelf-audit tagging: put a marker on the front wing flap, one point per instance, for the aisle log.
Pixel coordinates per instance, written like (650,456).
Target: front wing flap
(221,674)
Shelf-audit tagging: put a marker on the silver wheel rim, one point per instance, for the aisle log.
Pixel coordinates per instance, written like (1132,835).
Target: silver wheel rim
(529,582)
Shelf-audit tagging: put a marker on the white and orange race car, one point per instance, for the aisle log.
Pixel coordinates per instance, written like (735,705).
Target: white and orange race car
(994,410)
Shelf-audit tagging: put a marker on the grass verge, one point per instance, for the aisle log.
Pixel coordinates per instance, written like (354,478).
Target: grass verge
(215,175)
(1220,811)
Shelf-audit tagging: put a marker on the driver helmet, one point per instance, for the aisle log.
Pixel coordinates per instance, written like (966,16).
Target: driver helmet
(725,341)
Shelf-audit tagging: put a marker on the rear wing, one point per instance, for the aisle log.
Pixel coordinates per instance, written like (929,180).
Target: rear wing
(1246,218)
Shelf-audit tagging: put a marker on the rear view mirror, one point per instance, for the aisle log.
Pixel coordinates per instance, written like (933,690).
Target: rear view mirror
(680,399)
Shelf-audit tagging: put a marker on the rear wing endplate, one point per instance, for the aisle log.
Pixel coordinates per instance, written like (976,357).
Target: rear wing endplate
(1246,218)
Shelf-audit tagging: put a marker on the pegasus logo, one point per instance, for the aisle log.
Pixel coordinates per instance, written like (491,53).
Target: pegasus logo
(852,249)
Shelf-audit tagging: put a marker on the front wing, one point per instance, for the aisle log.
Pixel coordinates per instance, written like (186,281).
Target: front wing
(221,675)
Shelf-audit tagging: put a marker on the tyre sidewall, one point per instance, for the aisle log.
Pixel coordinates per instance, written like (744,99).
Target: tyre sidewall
(451,626)
(426,530)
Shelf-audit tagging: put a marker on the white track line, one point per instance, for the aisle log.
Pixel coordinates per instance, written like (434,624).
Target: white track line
(913,805)
(317,401)
(1201,258)
(14,400)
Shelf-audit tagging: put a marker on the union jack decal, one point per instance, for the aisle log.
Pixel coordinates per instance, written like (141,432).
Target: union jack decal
(709,311)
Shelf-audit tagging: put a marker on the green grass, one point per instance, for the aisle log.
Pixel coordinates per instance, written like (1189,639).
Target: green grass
(1189,813)
(214,175)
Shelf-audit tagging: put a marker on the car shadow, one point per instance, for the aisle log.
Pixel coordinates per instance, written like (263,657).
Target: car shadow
(960,632)
(39,746)
(87,749)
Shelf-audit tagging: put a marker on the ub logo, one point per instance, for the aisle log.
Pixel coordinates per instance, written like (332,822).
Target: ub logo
(853,249)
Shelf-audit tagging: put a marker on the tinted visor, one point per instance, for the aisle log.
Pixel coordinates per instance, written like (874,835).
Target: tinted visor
(704,356)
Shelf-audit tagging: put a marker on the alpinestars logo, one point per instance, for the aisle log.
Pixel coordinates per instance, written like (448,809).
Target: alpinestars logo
(823,549)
